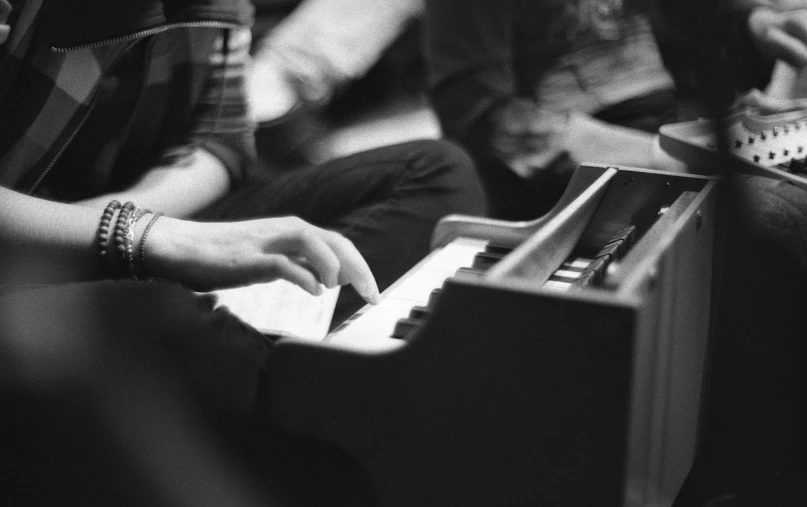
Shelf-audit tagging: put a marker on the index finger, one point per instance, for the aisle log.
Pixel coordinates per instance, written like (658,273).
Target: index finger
(353,268)
(790,46)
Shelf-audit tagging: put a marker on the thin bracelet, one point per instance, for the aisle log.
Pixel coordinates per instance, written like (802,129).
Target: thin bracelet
(136,215)
(104,265)
(143,266)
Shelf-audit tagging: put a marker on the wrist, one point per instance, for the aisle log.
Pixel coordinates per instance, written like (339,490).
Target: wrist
(169,246)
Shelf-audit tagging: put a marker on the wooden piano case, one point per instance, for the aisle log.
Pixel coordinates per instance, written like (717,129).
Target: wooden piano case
(514,394)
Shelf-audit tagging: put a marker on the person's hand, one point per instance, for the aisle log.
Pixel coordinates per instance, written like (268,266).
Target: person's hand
(764,104)
(780,31)
(206,256)
(525,136)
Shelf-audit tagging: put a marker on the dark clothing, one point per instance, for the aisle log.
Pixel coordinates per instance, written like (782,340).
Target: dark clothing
(170,347)
(483,53)
(754,438)
(84,168)
(109,392)
(191,93)
(707,48)
(107,380)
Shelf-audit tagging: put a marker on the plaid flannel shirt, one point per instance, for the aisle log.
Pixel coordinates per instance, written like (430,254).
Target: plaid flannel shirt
(57,53)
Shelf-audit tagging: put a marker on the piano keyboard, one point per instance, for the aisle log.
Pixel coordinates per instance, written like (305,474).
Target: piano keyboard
(413,290)
(410,300)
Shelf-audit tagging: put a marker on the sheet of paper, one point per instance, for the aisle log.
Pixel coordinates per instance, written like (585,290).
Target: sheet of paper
(281,307)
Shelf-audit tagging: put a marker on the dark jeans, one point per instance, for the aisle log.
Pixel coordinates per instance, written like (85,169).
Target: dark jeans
(754,438)
(109,390)
(386,201)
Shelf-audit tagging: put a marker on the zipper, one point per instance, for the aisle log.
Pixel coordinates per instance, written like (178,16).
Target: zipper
(146,33)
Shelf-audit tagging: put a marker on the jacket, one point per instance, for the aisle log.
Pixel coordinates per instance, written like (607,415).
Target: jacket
(57,53)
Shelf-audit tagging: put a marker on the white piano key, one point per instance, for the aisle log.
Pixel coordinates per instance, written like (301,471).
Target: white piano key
(578,263)
(457,254)
(565,273)
(557,285)
(377,322)
(374,323)
(417,287)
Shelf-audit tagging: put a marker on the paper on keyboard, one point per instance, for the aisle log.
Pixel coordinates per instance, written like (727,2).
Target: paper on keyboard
(282,308)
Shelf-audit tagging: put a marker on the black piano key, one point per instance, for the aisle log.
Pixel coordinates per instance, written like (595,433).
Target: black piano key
(609,251)
(616,247)
(498,249)
(419,312)
(433,297)
(404,326)
(485,261)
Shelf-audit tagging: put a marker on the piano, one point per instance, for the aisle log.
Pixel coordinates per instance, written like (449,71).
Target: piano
(769,145)
(553,362)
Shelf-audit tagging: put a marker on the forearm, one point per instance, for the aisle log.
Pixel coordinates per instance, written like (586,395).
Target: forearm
(46,242)
(588,139)
(178,191)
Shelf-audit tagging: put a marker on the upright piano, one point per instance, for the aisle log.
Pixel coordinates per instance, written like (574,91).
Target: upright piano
(556,362)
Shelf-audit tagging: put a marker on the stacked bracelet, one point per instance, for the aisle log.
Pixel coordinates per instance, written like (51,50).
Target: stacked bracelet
(103,237)
(118,259)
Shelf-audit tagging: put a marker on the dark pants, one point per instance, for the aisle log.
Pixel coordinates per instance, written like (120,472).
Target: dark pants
(107,387)
(754,439)
(386,201)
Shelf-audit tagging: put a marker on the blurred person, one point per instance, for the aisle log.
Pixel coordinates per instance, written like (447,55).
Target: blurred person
(98,128)
(311,54)
(126,153)
(753,439)
(319,47)
(534,88)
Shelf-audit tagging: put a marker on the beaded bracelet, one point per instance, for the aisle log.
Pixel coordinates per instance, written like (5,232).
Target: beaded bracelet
(143,266)
(103,237)
(121,224)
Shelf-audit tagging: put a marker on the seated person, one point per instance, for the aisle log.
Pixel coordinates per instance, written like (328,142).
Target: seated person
(753,442)
(534,88)
(308,55)
(109,103)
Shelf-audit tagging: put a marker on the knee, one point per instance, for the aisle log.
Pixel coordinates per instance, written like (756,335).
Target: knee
(450,173)
(773,219)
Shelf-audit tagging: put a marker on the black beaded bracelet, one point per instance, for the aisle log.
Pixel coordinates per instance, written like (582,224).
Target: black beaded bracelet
(103,237)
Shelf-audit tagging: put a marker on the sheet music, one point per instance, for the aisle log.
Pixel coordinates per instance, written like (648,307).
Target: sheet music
(280,307)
